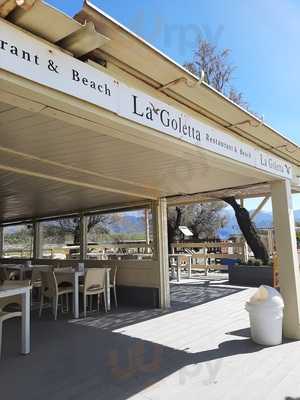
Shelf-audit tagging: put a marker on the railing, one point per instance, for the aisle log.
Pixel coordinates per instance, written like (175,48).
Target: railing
(17,253)
(120,251)
(211,255)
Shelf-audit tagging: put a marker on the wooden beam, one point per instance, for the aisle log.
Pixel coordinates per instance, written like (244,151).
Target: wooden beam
(7,6)
(21,171)
(259,207)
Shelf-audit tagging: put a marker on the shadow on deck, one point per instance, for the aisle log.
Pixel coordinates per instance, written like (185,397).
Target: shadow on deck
(120,355)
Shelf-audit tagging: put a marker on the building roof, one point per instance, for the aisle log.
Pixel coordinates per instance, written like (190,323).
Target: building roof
(133,54)
(159,70)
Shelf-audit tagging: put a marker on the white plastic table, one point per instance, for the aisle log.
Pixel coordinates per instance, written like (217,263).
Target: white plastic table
(22,268)
(24,292)
(72,275)
(177,265)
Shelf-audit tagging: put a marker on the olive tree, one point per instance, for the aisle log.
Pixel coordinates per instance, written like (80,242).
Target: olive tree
(219,73)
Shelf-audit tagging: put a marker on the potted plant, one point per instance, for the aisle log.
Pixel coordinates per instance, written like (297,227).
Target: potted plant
(254,273)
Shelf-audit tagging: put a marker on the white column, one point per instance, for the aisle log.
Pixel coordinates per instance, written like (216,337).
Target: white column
(37,242)
(83,237)
(286,245)
(1,241)
(161,239)
(147,229)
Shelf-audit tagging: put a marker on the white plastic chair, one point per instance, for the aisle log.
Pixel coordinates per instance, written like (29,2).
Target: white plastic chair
(7,301)
(51,290)
(113,283)
(94,285)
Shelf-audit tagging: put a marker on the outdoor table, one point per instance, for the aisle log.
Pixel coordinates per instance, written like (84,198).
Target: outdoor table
(21,268)
(24,292)
(72,275)
(178,266)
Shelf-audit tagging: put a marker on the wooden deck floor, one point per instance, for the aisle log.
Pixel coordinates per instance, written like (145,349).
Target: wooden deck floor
(199,350)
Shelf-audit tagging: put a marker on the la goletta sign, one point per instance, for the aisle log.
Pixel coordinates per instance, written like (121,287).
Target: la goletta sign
(27,56)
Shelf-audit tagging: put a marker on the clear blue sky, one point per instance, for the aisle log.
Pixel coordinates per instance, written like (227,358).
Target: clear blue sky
(263,36)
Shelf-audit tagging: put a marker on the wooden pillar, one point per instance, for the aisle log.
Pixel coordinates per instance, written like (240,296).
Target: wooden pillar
(1,242)
(161,245)
(147,230)
(37,241)
(83,237)
(286,244)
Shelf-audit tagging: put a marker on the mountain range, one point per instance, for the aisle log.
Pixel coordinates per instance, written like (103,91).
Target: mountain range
(264,219)
(134,223)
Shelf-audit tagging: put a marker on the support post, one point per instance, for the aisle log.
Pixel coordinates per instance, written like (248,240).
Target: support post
(1,242)
(286,245)
(147,229)
(83,237)
(161,240)
(37,241)
(259,207)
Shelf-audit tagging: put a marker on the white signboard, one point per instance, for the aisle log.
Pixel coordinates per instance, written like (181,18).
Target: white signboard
(146,110)
(24,55)
(33,59)
(185,230)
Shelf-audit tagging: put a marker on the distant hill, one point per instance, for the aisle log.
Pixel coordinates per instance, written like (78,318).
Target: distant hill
(263,219)
(135,223)
(129,223)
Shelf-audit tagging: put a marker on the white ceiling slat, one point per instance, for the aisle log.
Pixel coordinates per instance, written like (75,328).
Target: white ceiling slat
(73,165)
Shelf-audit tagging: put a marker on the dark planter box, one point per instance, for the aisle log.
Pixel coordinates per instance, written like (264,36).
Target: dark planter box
(246,275)
(138,296)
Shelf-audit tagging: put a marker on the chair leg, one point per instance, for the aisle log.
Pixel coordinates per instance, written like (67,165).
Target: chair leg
(41,305)
(84,305)
(55,305)
(105,301)
(115,296)
(98,302)
(1,323)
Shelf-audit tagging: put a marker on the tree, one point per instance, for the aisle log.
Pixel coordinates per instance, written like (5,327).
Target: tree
(174,221)
(218,71)
(203,219)
(72,225)
(249,231)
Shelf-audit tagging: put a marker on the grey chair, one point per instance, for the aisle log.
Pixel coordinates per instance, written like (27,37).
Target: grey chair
(51,290)
(5,313)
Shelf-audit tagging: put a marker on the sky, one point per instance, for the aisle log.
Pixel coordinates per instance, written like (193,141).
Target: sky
(263,37)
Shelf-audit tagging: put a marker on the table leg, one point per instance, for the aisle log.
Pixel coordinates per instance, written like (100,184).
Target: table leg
(178,270)
(108,289)
(25,348)
(173,275)
(190,267)
(76,296)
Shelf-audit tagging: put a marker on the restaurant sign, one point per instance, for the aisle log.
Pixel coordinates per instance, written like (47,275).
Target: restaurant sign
(31,58)
(147,110)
